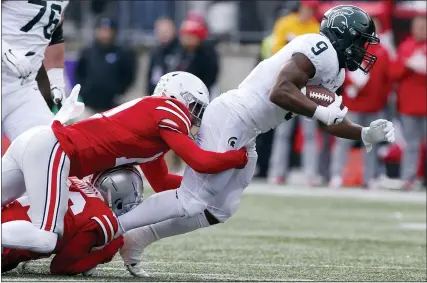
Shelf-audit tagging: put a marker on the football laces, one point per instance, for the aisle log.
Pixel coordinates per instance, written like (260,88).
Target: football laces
(321,96)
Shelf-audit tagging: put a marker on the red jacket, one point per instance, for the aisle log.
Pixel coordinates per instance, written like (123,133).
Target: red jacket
(372,97)
(411,90)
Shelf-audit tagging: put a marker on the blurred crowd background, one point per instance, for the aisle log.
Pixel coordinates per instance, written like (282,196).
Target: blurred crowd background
(118,50)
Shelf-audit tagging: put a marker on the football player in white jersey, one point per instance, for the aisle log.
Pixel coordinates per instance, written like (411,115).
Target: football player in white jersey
(31,35)
(268,96)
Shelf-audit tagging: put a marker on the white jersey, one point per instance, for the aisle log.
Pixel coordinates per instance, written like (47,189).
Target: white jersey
(252,98)
(28,26)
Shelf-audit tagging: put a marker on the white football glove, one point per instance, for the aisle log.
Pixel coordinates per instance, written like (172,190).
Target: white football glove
(71,108)
(57,84)
(332,114)
(16,61)
(378,131)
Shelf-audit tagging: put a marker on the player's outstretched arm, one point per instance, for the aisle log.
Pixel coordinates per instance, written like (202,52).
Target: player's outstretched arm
(286,92)
(378,131)
(346,130)
(203,161)
(158,176)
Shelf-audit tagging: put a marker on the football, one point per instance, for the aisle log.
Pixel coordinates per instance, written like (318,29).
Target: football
(320,95)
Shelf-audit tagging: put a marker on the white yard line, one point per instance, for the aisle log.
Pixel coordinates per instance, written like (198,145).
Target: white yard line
(222,276)
(208,263)
(261,188)
(421,226)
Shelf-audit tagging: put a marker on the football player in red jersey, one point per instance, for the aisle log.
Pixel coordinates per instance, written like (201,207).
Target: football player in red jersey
(141,131)
(89,224)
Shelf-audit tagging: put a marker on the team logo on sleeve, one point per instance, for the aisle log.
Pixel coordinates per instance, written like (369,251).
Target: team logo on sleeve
(232,141)
(338,20)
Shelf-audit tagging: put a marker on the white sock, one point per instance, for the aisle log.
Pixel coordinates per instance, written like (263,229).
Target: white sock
(178,226)
(156,208)
(23,235)
(137,240)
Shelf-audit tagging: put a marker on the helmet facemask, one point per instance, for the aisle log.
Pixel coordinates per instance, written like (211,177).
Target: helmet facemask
(357,55)
(197,109)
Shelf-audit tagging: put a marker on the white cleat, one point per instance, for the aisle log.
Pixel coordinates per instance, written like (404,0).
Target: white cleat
(136,270)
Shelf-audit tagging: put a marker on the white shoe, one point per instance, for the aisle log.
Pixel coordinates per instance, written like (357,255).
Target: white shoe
(335,183)
(136,270)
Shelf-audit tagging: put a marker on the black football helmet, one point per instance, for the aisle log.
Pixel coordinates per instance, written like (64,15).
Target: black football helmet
(351,30)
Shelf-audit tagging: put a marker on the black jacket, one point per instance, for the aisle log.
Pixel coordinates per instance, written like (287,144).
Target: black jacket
(104,73)
(202,63)
(163,59)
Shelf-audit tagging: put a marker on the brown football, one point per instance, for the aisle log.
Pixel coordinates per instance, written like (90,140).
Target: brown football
(320,95)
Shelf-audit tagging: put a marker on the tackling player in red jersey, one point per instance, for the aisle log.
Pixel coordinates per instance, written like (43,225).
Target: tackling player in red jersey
(89,224)
(140,131)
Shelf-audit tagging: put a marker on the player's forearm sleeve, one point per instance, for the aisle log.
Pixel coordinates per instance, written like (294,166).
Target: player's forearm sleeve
(202,161)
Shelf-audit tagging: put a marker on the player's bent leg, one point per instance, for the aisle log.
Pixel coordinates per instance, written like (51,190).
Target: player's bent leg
(46,169)
(23,235)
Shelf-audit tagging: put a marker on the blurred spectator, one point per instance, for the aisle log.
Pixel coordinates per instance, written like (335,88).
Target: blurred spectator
(301,22)
(365,95)
(198,56)
(409,71)
(164,57)
(286,29)
(104,69)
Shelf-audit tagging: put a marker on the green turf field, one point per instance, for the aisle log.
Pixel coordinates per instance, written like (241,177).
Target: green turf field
(298,236)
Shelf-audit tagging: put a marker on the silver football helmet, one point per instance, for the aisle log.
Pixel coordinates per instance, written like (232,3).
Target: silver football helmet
(121,187)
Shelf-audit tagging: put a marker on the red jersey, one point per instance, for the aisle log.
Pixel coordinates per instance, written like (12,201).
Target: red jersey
(139,131)
(88,224)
